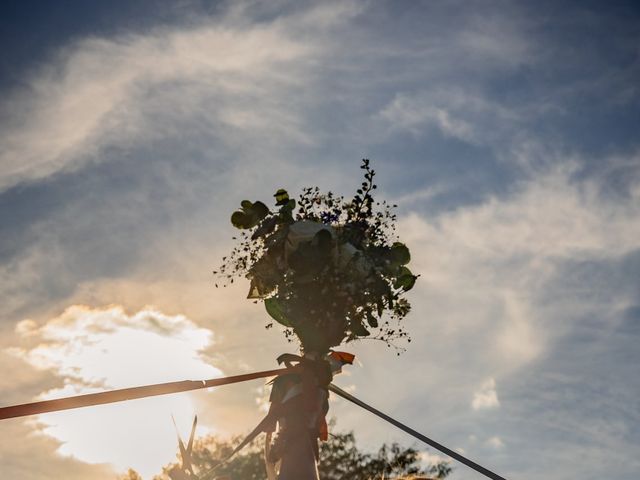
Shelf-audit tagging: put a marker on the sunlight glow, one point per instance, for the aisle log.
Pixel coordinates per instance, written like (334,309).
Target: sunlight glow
(96,349)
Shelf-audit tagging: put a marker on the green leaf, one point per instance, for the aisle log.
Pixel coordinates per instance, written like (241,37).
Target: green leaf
(239,219)
(405,280)
(260,210)
(371,320)
(250,215)
(273,307)
(400,253)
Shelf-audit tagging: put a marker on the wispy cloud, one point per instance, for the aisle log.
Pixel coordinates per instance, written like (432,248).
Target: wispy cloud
(491,262)
(123,156)
(98,92)
(487,303)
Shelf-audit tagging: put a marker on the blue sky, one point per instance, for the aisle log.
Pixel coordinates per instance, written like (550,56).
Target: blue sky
(505,131)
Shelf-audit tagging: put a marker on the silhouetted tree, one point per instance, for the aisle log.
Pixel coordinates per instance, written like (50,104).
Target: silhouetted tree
(340,459)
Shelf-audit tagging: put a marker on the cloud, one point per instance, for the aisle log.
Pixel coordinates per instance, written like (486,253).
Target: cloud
(495,442)
(459,113)
(405,113)
(176,119)
(123,156)
(274,73)
(428,458)
(487,266)
(82,343)
(497,300)
(462,115)
(179,119)
(100,92)
(29,455)
(91,350)
(486,397)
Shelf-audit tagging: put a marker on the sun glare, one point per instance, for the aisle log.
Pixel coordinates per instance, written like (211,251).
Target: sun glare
(105,349)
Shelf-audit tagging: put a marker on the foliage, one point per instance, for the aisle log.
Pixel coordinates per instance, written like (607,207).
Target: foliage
(209,451)
(340,459)
(328,269)
(131,475)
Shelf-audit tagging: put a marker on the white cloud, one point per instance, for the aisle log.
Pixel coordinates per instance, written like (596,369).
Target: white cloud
(254,90)
(466,114)
(229,74)
(429,458)
(486,397)
(100,349)
(96,93)
(418,196)
(497,37)
(414,114)
(495,442)
(487,264)
(484,304)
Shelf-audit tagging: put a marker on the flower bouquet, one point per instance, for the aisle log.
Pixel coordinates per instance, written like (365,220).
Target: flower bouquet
(329,270)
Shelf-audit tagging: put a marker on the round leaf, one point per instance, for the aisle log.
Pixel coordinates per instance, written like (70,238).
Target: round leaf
(239,219)
(260,210)
(405,280)
(400,253)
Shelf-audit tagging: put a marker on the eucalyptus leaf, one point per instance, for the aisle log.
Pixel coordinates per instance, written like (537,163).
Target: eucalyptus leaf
(400,253)
(324,266)
(405,280)
(260,210)
(239,219)
(274,308)
(250,215)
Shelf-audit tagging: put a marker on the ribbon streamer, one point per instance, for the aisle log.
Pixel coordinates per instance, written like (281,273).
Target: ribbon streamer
(453,454)
(124,394)
(187,385)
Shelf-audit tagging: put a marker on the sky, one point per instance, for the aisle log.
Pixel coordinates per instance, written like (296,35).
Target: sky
(506,132)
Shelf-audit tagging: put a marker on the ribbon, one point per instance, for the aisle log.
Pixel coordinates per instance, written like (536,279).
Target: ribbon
(295,389)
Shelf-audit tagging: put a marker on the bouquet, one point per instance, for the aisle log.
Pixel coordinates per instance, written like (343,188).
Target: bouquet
(329,270)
